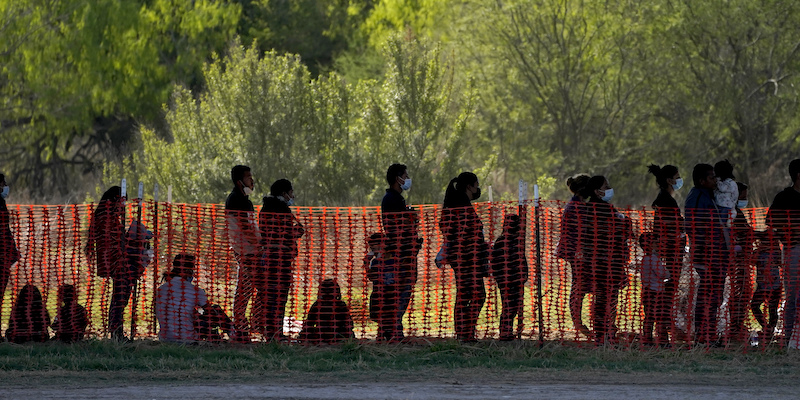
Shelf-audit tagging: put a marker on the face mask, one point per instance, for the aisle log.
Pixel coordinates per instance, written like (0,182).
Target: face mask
(290,202)
(5,192)
(741,204)
(477,194)
(678,184)
(247,191)
(608,195)
(406,184)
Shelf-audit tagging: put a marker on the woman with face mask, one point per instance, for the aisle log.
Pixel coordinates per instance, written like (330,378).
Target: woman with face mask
(468,252)
(669,230)
(604,243)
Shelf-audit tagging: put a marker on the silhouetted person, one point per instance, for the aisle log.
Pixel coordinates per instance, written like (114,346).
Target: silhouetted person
(668,227)
(768,283)
(329,318)
(510,271)
(402,244)
(71,320)
(29,318)
(106,242)
(784,218)
(710,254)
(605,248)
(655,298)
(383,273)
(280,231)
(569,249)
(245,240)
(8,247)
(743,236)
(468,252)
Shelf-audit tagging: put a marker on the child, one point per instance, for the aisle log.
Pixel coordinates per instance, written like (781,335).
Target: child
(768,282)
(384,302)
(29,318)
(726,195)
(510,271)
(328,319)
(656,301)
(177,301)
(70,323)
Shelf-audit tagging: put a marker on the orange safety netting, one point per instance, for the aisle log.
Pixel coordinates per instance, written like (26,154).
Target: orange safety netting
(325,274)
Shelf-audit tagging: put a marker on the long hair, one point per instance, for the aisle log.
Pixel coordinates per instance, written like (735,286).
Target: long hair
(456,190)
(107,204)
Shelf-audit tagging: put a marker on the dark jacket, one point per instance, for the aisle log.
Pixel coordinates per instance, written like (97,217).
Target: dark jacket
(508,259)
(604,240)
(107,240)
(280,230)
(668,224)
(704,226)
(784,216)
(463,232)
(568,242)
(9,254)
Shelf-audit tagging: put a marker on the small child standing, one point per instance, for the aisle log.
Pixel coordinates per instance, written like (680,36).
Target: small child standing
(329,318)
(726,195)
(656,300)
(768,282)
(510,271)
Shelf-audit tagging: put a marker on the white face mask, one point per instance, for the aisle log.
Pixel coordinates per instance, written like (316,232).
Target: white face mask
(247,191)
(741,204)
(5,191)
(678,184)
(608,195)
(406,184)
(288,202)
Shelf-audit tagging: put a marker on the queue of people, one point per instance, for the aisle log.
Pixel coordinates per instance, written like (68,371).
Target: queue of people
(595,240)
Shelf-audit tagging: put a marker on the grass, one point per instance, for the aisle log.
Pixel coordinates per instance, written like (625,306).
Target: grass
(105,362)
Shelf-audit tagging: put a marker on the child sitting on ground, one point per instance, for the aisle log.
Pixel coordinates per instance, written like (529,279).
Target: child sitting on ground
(71,321)
(656,300)
(329,318)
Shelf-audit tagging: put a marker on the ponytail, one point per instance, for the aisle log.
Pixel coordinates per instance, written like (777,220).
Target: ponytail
(662,174)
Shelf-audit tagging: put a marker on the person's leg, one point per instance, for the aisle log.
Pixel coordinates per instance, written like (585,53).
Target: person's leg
(506,318)
(475,304)
(460,310)
(120,295)
(404,299)
(738,302)
(759,297)
(600,308)
(244,290)
(649,304)
(577,293)
(792,287)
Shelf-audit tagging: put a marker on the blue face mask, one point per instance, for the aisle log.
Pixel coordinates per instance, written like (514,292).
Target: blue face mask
(741,204)
(608,195)
(678,184)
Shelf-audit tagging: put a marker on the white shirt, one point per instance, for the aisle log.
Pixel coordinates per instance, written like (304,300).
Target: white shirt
(176,301)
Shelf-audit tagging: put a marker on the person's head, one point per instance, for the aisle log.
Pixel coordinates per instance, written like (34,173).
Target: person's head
(648,241)
(794,170)
(329,290)
(29,296)
(3,186)
(242,178)
(667,177)
(466,183)
(397,177)
(67,294)
(598,188)
(111,201)
(576,183)
(512,224)
(283,190)
(703,176)
(724,170)
(182,266)
(375,242)
(113,193)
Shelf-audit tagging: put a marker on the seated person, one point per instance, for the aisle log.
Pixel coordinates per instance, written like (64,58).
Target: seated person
(71,321)
(328,319)
(177,301)
(29,318)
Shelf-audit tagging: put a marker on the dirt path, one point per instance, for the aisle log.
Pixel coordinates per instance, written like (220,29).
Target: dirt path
(403,391)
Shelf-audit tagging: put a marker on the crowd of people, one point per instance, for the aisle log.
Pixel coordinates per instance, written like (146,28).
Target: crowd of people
(595,240)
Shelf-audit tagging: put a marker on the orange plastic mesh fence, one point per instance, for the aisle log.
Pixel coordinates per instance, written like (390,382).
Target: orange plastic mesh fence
(607,275)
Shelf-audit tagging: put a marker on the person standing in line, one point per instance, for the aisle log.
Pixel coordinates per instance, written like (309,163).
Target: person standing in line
(743,236)
(655,299)
(768,283)
(468,252)
(107,242)
(604,244)
(280,231)
(510,271)
(784,218)
(705,224)
(569,250)
(244,239)
(669,232)
(9,254)
(401,245)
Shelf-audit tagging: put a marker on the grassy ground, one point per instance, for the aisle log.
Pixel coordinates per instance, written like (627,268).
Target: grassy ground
(108,363)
